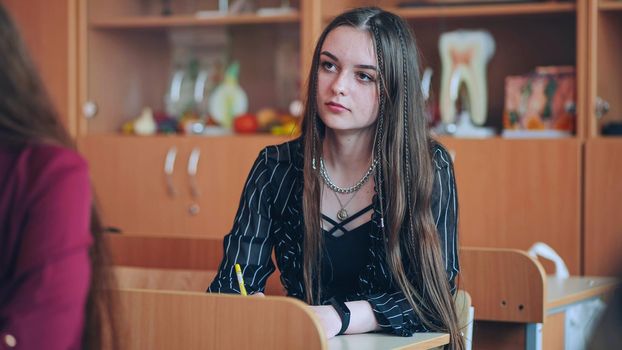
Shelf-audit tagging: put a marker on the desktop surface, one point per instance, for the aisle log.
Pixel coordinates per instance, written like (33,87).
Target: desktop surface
(379,341)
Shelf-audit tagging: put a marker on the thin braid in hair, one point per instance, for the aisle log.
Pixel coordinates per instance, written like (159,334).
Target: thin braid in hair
(314,141)
(380,123)
(406,138)
(316,136)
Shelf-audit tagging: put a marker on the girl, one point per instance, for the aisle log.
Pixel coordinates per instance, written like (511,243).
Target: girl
(361,210)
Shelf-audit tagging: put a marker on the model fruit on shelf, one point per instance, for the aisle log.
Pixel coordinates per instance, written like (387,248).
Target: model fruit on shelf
(228,99)
(145,124)
(245,124)
(286,124)
(267,117)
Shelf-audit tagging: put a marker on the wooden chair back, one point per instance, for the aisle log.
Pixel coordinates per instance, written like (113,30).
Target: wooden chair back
(155,320)
(168,260)
(504,284)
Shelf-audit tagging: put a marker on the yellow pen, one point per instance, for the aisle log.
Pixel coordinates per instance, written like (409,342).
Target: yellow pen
(238,273)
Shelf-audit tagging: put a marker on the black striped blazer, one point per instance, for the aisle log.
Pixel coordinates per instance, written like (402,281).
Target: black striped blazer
(270,217)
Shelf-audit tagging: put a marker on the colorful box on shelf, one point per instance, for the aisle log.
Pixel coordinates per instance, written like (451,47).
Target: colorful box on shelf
(542,103)
(414,3)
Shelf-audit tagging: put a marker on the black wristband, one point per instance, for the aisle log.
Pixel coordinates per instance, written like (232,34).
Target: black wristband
(343,312)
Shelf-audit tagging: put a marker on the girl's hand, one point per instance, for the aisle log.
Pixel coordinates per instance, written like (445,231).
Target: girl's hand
(328,318)
(258,294)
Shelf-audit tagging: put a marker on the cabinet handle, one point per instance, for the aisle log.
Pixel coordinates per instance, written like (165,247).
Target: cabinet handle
(601,107)
(89,109)
(169,167)
(193,162)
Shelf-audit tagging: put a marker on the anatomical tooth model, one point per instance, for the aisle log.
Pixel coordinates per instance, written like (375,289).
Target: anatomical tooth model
(464,56)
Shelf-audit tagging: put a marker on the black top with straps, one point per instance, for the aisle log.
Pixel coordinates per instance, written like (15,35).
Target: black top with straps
(340,271)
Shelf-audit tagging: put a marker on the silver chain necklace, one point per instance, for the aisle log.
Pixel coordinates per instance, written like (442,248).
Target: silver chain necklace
(350,189)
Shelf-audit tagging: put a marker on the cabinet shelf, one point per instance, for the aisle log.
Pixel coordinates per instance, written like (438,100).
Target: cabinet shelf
(266,138)
(610,5)
(486,10)
(138,22)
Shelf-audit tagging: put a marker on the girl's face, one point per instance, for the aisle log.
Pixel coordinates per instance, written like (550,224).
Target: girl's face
(347,96)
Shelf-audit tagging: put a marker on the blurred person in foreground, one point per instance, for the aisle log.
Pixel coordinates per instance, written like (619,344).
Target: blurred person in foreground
(608,331)
(55,292)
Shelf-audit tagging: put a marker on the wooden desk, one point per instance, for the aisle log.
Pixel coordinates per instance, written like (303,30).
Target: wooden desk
(376,341)
(565,292)
(520,306)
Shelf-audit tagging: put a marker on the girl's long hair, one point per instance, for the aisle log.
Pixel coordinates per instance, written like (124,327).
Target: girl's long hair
(405,177)
(26,117)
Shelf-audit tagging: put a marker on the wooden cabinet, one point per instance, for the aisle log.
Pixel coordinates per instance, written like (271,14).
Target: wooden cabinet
(603,154)
(513,193)
(129,54)
(605,55)
(603,206)
(138,196)
(129,180)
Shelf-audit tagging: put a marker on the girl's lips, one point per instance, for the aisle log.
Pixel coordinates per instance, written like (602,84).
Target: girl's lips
(336,107)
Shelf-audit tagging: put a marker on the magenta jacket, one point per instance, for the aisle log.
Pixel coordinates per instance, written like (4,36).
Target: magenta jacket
(45,200)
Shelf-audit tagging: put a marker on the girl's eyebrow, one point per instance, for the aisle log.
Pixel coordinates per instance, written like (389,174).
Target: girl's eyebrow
(334,58)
